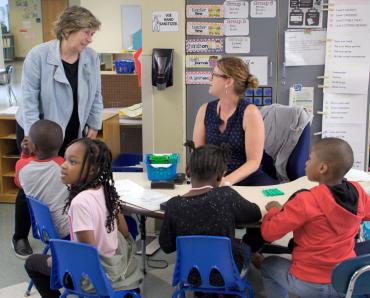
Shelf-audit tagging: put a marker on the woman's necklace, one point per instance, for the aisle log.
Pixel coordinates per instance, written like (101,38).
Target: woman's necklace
(202,187)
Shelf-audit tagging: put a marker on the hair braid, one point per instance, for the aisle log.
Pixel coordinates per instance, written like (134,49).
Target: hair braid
(99,158)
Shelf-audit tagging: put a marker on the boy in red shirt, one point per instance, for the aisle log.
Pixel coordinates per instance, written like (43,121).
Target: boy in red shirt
(324,221)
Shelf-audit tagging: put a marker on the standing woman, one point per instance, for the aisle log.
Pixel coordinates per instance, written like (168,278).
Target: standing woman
(231,120)
(61,83)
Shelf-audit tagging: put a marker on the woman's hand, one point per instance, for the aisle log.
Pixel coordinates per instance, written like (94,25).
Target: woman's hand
(92,133)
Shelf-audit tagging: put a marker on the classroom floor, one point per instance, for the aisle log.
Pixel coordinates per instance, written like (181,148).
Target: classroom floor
(13,278)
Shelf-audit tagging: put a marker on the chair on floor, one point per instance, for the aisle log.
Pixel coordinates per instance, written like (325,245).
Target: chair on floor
(9,70)
(206,254)
(42,226)
(352,276)
(297,160)
(74,264)
(287,141)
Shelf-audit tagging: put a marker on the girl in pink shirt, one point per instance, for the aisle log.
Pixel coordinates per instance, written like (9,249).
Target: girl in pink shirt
(94,215)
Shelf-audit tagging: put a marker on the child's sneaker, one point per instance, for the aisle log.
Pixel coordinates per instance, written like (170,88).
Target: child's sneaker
(22,248)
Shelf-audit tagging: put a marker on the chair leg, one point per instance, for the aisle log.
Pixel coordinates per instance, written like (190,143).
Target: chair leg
(28,292)
(176,293)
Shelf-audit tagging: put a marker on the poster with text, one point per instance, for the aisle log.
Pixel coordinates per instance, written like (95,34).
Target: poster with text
(237,45)
(165,21)
(236,9)
(236,27)
(305,14)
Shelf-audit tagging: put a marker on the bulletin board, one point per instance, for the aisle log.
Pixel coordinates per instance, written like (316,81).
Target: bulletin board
(229,28)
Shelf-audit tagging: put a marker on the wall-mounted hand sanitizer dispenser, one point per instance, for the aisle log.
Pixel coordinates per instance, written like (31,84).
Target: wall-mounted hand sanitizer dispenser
(162,68)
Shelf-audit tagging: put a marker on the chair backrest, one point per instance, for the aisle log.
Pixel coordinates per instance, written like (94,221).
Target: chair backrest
(41,221)
(75,261)
(297,160)
(352,276)
(205,253)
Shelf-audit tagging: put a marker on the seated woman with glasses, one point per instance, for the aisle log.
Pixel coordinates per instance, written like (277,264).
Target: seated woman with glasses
(231,120)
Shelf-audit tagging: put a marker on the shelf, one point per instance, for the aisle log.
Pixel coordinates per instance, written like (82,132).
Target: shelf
(11,136)
(11,156)
(9,174)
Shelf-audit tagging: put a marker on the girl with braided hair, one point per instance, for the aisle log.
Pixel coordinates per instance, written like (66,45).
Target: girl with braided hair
(94,216)
(208,209)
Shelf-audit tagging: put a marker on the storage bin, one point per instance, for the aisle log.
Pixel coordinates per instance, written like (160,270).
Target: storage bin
(166,172)
(124,66)
(128,162)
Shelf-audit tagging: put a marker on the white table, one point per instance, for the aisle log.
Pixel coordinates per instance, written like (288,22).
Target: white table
(252,193)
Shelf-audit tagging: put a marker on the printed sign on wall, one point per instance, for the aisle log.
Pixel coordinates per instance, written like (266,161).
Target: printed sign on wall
(236,27)
(201,61)
(263,9)
(197,77)
(236,9)
(202,28)
(237,44)
(210,45)
(165,21)
(204,11)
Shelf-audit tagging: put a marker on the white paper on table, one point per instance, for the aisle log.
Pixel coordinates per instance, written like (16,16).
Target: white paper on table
(302,98)
(257,67)
(349,78)
(303,48)
(357,175)
(236,9)
(238,44)
(236,27)
(132,193)
(263,9)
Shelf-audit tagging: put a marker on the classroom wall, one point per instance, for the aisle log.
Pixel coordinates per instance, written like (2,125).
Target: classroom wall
(168,106)
(27,32)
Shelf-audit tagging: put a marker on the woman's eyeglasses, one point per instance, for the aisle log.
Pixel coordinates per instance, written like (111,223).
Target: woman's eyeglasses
(219,75)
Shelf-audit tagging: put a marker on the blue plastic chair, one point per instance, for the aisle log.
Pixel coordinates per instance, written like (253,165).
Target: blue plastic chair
(75,261)
(297,160)
(205,253)
(42,226)
(352,276)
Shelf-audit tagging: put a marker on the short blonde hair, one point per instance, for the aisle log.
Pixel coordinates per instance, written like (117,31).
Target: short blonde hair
(73,19)
(235,68)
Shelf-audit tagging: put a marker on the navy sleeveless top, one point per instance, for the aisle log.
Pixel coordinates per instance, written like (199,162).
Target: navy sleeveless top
(233,135)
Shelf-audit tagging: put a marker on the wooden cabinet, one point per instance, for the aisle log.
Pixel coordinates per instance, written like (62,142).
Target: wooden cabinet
(8,157)
(110,134)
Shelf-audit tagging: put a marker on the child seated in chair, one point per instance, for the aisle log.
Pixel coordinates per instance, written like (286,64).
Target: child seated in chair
(39,173)
(208,209)
(93,207)
(324,221)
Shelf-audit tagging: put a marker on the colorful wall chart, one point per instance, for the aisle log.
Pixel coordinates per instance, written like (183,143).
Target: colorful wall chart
(204,11)
(209,45)
(203,28)
(201,61)
(197,77)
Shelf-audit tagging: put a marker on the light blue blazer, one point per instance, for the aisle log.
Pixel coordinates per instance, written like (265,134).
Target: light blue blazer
(47,94)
